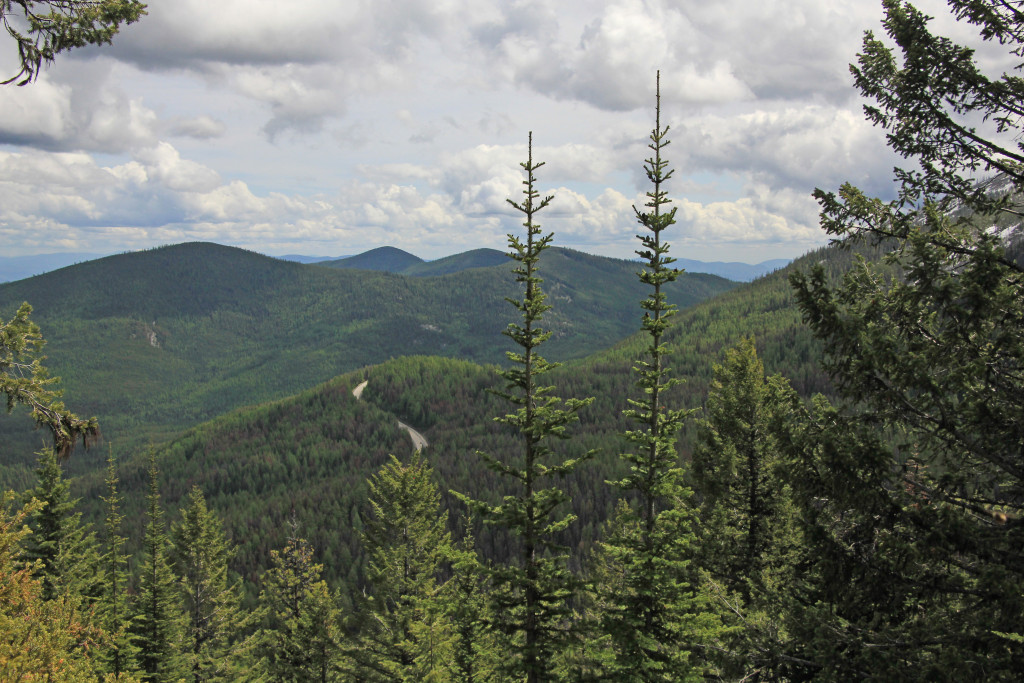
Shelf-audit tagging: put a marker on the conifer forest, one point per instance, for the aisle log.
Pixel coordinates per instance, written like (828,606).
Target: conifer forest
(630,473)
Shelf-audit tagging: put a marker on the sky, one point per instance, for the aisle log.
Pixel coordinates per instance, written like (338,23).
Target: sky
(330,127)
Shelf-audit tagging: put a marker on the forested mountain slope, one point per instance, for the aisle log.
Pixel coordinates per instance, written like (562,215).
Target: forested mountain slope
(311,454)
(154,342)
(387,259)
(476,258)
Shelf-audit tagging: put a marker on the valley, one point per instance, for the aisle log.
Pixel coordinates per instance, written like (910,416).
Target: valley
(155,342)
(307,456)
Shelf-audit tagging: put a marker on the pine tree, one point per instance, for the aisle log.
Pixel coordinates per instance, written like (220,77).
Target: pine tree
(300,640)
(406,635)
(530,597)
(65,549)
(158,621)
(653,611)
(748,535)
(911,487)
(214,620)
(113,606)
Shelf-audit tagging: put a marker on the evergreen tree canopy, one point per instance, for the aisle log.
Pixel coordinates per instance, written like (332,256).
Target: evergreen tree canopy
(213,618)
(531,596)
(65,549)
(748,539)
(42,640)
(159,620)
(299,642)
(652,608)
(914,492)
(24,380)
(55,26)
(114,608)
(406,636)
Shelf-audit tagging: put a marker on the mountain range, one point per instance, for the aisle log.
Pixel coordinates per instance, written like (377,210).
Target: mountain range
(156,341)
(389,259)
(307,456)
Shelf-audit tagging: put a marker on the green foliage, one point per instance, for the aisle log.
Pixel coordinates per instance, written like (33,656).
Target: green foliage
(652,610)
(214,619)
(42,639)
(475,657)
(300,638)
(735,467)
(113,607)
(911,488)
(405,635)
(66,551)
(55,26)
(531,593)
(158,621)
(657,618)
(24,380)
(748,539)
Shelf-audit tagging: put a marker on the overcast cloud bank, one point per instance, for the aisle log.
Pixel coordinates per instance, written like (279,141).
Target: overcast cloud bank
(339,127)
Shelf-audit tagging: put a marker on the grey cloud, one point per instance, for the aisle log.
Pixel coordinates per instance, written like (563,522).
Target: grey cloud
(789,147)
(199,127)
(75,107)
(710,53)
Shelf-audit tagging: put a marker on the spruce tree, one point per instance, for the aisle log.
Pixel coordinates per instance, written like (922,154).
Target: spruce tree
(530,595)
(653,611)
(158,621)
(214,620)
(474,655)
(65,549)
(910,487)
(299,641)
(405,634)
(113,605)
(748,536)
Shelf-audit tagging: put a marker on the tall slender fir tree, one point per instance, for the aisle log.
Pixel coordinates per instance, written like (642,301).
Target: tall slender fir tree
(114,609)
(531,596)
(653,612)
(158,619)
(212,602)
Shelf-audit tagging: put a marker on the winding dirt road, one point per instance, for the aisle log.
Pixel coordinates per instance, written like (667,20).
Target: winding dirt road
(419,442)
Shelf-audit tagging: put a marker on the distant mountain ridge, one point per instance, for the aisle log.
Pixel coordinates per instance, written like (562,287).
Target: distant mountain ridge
(386,259)
(394,260)
(155,341)
(733,270)
(340,441)
(390,260)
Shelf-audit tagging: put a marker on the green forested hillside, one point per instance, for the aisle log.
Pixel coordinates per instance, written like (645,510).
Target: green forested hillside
(154,342)
(388,259)
(313,452)
(477,258)
(870,532)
